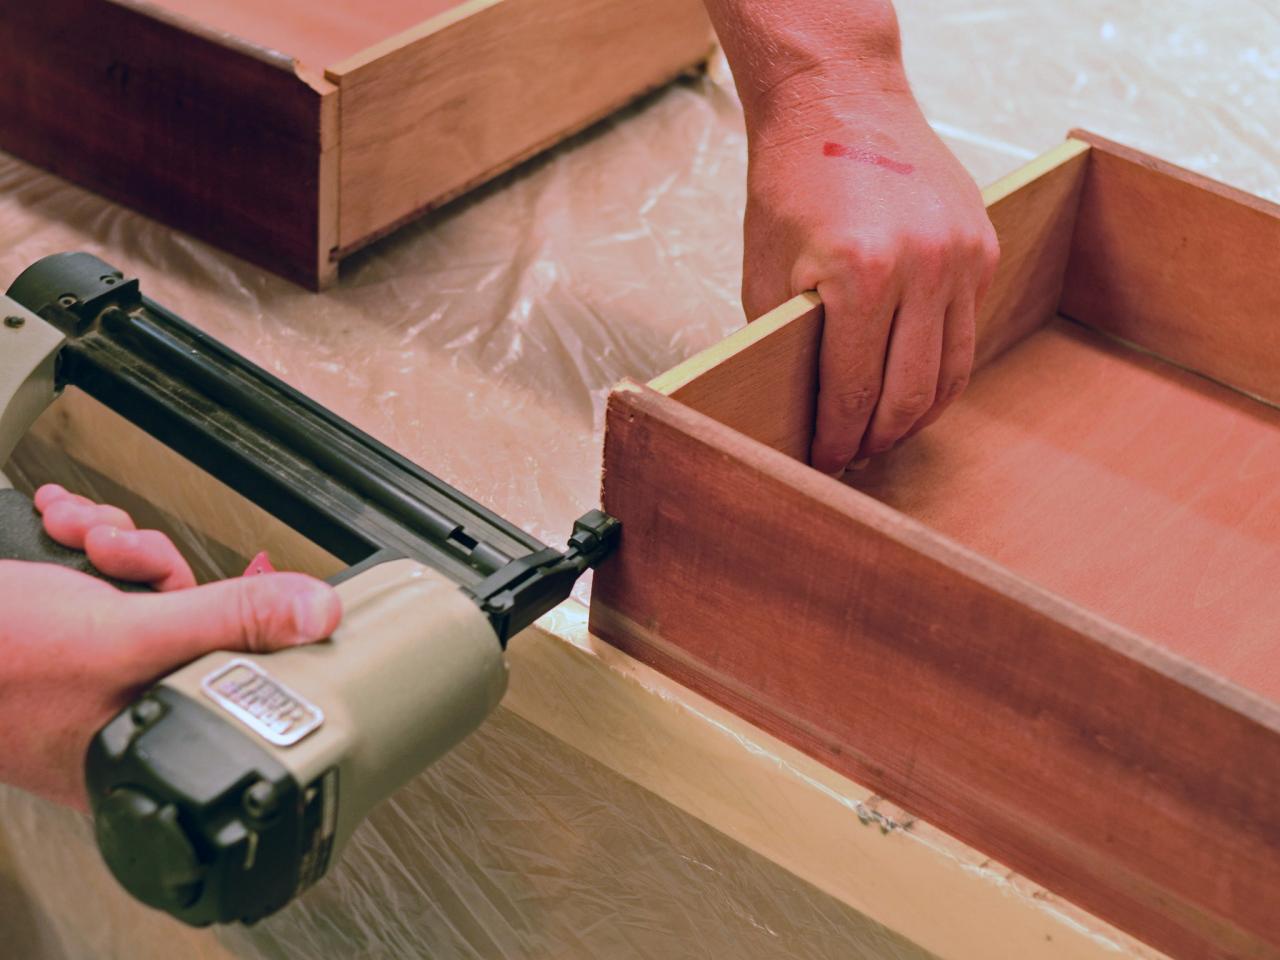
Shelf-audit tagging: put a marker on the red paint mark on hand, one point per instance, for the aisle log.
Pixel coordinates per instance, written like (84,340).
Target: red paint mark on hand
(832,149)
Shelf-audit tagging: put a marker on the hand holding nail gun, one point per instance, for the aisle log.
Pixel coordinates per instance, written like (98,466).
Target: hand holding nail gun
(224,787)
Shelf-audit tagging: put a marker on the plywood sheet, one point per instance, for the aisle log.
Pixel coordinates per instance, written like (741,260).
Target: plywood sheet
(1142,492)
(432,112)
(1184,266)
(1100,764)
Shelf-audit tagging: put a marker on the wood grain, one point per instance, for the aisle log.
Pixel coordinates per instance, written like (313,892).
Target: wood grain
(1181,265)
(1093,761)
(216,138)
(217,118)
(1034,213)
(805,821)
(1144,493)
(763,380)
(473,92)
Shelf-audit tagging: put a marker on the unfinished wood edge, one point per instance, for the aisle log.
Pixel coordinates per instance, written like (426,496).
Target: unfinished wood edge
(328,206)
(787,807)
(1189,177)
(440,22)
(713,356)
(324,273)
(1009,184)
(629,398)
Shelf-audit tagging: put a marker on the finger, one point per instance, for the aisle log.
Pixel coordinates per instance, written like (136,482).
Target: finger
(957,358)
(139,556)
(764,287)
(249,614)
(52,493)
(260,564)
(910,371)
(850,369)
(67,520)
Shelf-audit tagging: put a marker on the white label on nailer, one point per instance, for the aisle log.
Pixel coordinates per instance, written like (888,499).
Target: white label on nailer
(265,706)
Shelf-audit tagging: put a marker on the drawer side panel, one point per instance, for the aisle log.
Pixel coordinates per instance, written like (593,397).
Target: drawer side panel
(452,107)
(217,139)
(1179,265)
(1099,765)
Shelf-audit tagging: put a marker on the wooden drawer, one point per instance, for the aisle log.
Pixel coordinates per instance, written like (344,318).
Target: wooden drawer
(1049,625)
(293,133)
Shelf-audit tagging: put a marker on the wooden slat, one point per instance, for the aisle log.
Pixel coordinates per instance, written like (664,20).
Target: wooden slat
(1034,212)
(214,137)
(1179,264)
(763,379)
(476,90)
(1098,764)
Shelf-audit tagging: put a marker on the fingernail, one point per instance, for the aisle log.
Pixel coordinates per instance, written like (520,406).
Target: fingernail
(47,493)
(312,613)
(860,464)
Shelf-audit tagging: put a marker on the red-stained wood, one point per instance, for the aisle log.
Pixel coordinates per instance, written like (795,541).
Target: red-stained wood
(1054,629)
(218,139)
(763,379)
(1142,492)
(1096,762)
(1181,265)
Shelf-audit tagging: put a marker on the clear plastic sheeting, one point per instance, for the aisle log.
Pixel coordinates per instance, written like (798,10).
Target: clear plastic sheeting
(512,846)
(482,342)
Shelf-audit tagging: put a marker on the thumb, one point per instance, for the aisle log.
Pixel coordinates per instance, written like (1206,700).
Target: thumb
(251,614)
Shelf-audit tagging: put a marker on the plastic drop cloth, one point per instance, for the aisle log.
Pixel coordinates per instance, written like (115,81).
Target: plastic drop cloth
(482,343)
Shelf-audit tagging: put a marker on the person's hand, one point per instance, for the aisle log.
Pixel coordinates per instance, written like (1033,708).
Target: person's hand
(852,194)
(74,650)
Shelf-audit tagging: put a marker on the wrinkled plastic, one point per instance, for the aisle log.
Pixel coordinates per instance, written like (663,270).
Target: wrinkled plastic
(482,342)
